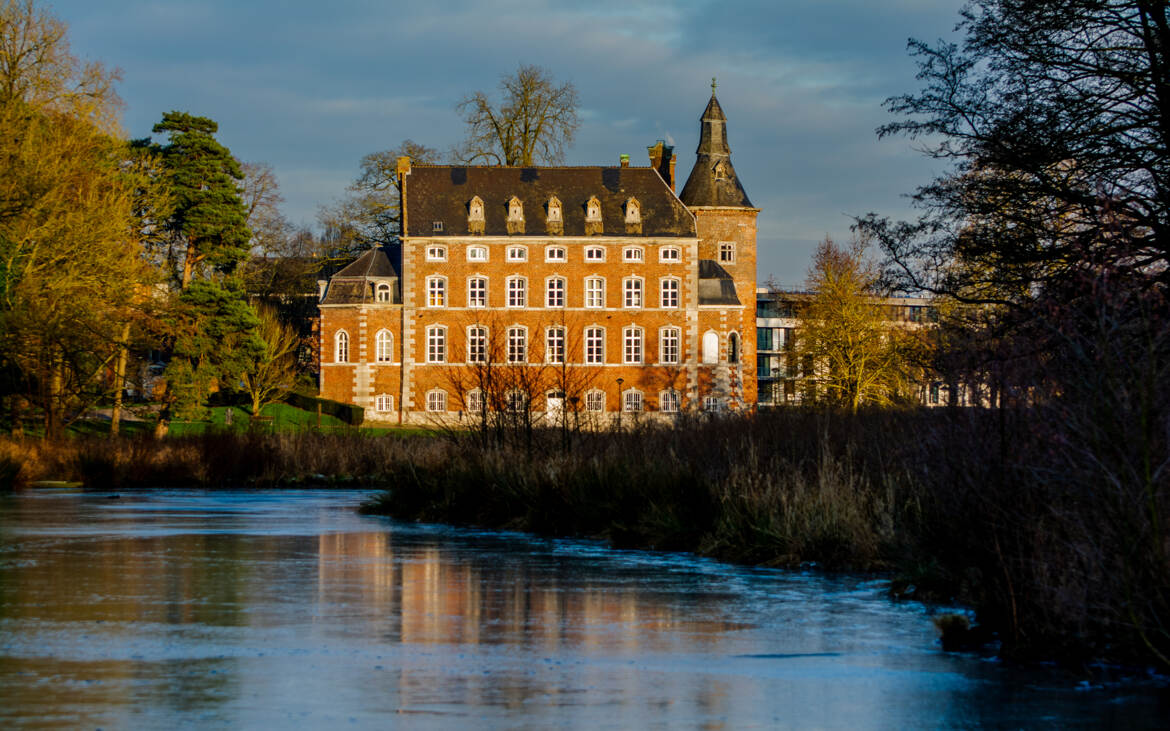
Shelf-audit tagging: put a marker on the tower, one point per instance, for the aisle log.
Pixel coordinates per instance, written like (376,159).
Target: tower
(726,227)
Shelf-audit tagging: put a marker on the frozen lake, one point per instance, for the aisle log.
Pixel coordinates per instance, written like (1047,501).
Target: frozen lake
(287,609)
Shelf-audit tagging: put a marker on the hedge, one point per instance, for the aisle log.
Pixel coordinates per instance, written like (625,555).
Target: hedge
(350,414)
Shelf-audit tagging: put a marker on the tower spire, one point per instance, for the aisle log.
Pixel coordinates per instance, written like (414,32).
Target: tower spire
(713,181)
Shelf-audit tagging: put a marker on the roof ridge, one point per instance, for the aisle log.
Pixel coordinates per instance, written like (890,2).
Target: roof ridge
(533,167)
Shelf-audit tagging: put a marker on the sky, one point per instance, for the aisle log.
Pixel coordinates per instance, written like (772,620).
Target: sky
(311,87)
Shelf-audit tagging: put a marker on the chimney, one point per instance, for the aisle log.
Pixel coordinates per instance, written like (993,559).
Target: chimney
(662,160)
(625,159)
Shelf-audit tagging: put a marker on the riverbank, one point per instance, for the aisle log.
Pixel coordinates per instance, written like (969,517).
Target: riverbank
(1059,550)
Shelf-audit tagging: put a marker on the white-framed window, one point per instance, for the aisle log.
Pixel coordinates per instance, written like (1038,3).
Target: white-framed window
(668,345)
(517,292)
(477,291)
(436,291)
(554,345)
(595,401)
(633,211)
(437,226)
(633,253)
(554,209)
(477,253)
(515,210)
(632,344)
(632,401)
(594,292)
(475,210)
(726,252)
(477,339)
(517,345)
(668,293)
(711,403)
(669,401)
(632,292)
(516,401)
(437,400)
(341,347)
(517,253)
(595,253)
(384,403)
(473,401)
(436,344)
(669,253)
(594,345)
(554,292)
(382,293)
(555,253)
(384,347)
(436,253)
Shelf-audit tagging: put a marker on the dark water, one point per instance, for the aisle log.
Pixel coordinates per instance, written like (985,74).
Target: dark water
(286,609)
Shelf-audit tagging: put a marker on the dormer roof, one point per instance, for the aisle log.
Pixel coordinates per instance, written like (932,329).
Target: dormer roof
(356,283)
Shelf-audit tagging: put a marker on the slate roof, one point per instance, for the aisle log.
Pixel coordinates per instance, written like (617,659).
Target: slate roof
(716,286)
(442,193)
(354,285)
(704,187)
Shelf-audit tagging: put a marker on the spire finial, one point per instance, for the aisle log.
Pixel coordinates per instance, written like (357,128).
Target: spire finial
(713,85)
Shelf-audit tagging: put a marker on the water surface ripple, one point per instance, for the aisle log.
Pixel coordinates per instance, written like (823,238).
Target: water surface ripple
(272,609)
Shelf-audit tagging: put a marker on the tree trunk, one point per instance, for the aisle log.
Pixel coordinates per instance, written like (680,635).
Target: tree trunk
(119,381)
(54,430)
(188,264)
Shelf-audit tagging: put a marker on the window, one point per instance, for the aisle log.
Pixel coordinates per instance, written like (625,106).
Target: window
(477,253)
(384,403)
(669,253)
(436,344)
(517,253)
(711,403)
(763,366)
(594,345)
(437,226)
(517,401)
(475,215)
(515,209)
(633,211)
(473,401)
(632,253)
(668,341)
(763,338)
(594,253)
(669,294)
(437,400)
(384,346)
(554,209)
(341,347)
(632,401)
(632,292)
(632,345)
(477,292)
(517,345)
(669,402)
(517,292)
(555,253)
(726,252)
(382,293)
(595,401)
(595,292)
(436,292)
(477,344)
(554,351)
(555,293)
(733,348)
(593,210)
(436,253)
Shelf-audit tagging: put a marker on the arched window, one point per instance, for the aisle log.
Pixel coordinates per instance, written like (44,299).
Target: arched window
(436,292)
(437,400)
(632,401)
(710,347)
(668,401)
(593,210)
(341,347)
(632,344)
(668,345)
(382,293)
(668,294)
(436,344)
(477,343)
(554,209)
(475,209)
(384,346)
(554,292)
(517,345)
(633,211)
(733,348)
(473,401)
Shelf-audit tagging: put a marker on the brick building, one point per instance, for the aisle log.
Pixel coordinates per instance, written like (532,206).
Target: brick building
(593,290)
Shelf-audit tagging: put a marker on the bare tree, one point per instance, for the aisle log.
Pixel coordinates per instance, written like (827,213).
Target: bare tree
(534,122)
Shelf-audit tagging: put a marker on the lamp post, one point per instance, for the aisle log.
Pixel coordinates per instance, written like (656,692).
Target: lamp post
(620,381)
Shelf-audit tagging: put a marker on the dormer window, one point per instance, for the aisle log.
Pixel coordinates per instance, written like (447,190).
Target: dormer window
(722,170)
(554,221)
(475,215)
(515,216)
(633,216)
(593,223)
(382,293)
